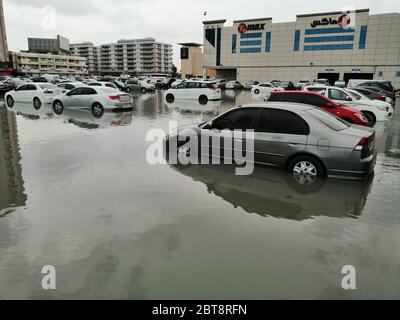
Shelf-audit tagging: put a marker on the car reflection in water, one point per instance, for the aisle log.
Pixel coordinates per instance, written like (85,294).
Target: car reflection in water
(86,120)
(192,107)
(269,192)
(27,111)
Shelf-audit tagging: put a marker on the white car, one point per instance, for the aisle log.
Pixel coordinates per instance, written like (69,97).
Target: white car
(381,105)
(321,82)
(265,89)
(96,99)
(340,96)
(35,93)
(302,83)
(202,90)
(103,84)
(233,85)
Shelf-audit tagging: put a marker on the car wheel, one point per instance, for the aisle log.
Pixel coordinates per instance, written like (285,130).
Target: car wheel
(370,117)
(58,107)
(97,110)
(203,99)
(306,169)
(10,101)
(144,90)
(128,89)
(170,98)
(37,103)
(256,91)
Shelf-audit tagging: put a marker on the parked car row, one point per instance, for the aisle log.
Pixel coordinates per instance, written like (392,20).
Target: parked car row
(70,95)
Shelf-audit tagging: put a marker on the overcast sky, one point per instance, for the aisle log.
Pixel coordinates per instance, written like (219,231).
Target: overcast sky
(171,21)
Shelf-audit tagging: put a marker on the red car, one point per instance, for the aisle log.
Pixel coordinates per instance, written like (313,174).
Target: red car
(317,100)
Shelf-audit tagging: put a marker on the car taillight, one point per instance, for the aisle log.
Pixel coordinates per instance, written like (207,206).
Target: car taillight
(382,98)
(114,97)
(363,142)
(366,146)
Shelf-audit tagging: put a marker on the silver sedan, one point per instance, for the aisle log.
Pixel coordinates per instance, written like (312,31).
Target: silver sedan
(96,100)
(302,139)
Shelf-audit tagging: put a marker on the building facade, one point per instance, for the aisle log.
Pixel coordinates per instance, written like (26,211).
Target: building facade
(4,57)
(60,45)
(89,51)
(140,56)
(36,64)
(333,45)
(191,60)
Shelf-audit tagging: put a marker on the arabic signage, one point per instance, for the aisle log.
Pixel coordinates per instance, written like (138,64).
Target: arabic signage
(344,22)
(243,28)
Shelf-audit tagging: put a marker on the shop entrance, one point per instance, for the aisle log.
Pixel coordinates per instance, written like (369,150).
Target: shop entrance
(227,74)
(332,77)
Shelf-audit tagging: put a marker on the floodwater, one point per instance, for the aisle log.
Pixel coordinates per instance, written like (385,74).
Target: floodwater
(78,194)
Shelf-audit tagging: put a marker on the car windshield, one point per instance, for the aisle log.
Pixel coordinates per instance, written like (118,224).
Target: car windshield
(328,119)
(355,95)
(48,86)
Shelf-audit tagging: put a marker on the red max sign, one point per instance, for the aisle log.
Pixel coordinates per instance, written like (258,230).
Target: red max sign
(243,28)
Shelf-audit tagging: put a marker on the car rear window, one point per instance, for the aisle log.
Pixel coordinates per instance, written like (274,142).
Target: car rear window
(328,119)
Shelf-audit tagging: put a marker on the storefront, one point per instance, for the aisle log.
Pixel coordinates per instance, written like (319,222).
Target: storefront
(332,45)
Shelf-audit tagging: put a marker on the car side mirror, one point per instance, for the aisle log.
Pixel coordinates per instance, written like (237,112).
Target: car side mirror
(349,98)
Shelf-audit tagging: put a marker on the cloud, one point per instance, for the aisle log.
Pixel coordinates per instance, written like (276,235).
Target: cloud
(172,21)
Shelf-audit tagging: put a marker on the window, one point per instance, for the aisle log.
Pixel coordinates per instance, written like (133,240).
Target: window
(266,85)
(95,84)
(282,121)
(234,43)
(23,88)
(181,86)
(87,91)
(363,37)
(240,119)
(313,100)
(76,92)
(337,95)
(69,86)
(268,42)
(296,40)
(398,74)
(31,87)
(210,36)
(111,85)
(250,50)
(193,85)
(328,119)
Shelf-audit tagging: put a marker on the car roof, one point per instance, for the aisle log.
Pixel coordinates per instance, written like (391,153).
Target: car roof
(288,106)
(299,92)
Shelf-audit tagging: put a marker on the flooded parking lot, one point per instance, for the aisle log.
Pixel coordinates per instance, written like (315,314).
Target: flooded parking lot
(77,193)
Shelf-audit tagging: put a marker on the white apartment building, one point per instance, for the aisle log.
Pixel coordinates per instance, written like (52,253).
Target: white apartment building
(36,64)
(89,51)
(141,56)
(332,45)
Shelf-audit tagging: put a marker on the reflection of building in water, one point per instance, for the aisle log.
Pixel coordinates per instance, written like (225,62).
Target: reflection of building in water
(11,181)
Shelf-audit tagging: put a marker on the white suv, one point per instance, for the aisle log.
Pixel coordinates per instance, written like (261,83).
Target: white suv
(203,91)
